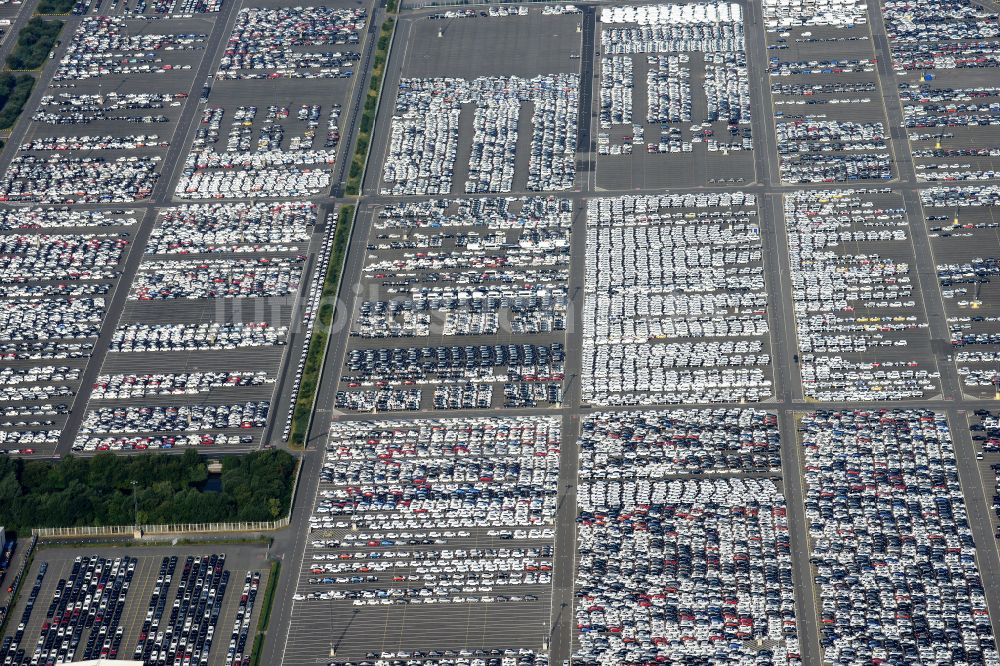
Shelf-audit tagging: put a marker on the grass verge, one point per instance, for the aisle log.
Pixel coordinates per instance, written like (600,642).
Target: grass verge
(265,613)
(357,168)
(321,331)
(34,43)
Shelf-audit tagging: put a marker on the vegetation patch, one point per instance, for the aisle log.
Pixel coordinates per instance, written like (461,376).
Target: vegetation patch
(55,6)
(34,43)
(97,491)
(14,93)
(370,109)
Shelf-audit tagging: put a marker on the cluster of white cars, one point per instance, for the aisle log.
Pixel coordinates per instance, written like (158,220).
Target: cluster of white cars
(116,443)
(233,227)
(700,13)
(270,42)
(83,256)
(617,81)
(61,217)
(781,15)
(675,302)
(892,552)
(51,319)
(379,400)
(676,38)
(858,302)
(424,145)
(282,156)
(128,386)
(684,569)
(87,142)
(173,418)
(253,182)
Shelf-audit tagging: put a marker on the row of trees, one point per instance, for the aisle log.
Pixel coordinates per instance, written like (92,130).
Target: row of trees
(14,93)
(55,6)
(34,43)
(99,490)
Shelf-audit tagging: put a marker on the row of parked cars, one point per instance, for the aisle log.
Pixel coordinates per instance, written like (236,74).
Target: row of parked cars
(675,300)
(10,649)
(237,654)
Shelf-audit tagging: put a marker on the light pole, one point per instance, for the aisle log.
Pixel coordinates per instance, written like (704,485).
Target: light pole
(135,505)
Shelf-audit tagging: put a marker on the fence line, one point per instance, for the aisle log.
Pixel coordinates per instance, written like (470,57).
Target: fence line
(421,4)
(179,528)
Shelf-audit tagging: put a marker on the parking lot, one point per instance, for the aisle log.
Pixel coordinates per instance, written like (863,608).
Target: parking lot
(675,565)
(301,60)
(195,357)
(860,322)
(456,121)
(100,133)
(896,464)
(454,555)
(961,225)
(462,306)
(674,98)
(676,310)
(826,95)
(58,268)
(149,603)
(572,215)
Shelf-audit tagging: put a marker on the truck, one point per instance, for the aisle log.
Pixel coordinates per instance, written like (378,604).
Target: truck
(8,553)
